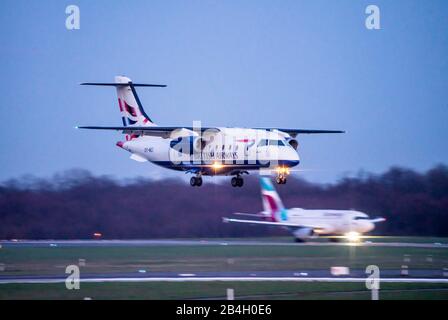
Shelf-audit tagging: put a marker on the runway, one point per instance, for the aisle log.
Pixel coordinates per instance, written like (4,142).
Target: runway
(306,275)
(208,242)
(356,275)
(224,279)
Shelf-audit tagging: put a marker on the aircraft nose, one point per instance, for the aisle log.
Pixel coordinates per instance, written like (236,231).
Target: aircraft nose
(290,157)
(284,156)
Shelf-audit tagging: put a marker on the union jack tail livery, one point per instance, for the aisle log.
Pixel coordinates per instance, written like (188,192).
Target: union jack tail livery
(131,109)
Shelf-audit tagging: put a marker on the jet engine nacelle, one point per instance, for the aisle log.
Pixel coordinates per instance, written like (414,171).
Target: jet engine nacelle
(303,233)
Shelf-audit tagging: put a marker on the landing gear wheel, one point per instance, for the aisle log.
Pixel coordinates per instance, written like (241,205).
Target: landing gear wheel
(281,180)
(196,181)
(237,182)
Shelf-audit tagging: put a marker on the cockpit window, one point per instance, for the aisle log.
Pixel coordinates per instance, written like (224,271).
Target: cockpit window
(271,142)
(361,218)
(279,143)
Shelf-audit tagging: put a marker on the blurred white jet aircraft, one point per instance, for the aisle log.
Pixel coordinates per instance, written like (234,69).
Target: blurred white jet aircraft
(202,151)
(304,223)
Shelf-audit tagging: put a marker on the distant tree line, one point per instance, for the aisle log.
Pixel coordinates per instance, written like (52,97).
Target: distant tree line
(76,204)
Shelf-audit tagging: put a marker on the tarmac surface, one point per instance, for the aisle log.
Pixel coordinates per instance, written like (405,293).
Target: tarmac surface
(169,242)
(388,275)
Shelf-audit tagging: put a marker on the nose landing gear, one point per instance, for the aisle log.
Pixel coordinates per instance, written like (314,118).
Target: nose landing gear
(281,179)
(282,173)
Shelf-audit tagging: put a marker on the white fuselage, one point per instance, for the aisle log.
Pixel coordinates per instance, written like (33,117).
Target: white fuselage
(218,152)
(330,221)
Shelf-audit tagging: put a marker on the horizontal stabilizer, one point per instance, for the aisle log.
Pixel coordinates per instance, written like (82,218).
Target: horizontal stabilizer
(111,84)
(163,132)
(258,215)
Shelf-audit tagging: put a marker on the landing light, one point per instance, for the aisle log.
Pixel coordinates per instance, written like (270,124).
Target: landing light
(353,236)
(217,165)
(282,170)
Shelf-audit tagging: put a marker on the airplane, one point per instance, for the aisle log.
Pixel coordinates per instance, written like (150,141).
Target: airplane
(305,224)
(202,151)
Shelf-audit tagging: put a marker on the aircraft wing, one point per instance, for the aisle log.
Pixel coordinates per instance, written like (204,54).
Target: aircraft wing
(295,132)
(266,223)
(166,131)
(318,226)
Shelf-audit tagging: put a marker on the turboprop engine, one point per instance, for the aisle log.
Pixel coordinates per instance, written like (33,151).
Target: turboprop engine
(293,143)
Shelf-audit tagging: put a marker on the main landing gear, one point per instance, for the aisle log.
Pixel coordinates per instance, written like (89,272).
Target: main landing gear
(196,181)
(237,182)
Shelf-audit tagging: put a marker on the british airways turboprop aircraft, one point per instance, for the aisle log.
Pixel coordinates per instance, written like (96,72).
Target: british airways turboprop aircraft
(202,151)
(304,223)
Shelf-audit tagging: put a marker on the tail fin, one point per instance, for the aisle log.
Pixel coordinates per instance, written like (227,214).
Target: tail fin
(132,112)
(272,203)
(131,109)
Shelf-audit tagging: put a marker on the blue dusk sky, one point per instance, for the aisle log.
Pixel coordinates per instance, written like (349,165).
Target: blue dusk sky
(298,64)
